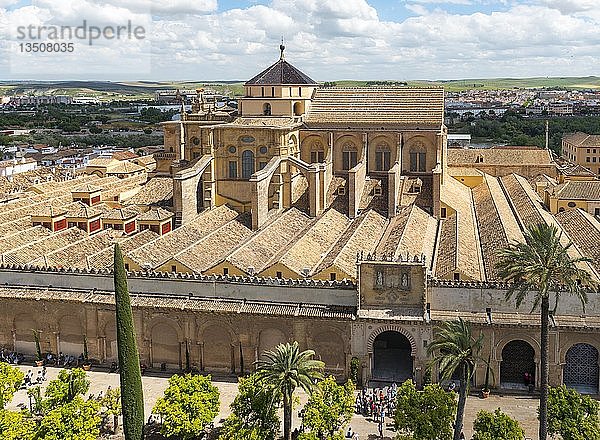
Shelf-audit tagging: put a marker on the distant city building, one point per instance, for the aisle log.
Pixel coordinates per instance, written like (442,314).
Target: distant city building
(16,166)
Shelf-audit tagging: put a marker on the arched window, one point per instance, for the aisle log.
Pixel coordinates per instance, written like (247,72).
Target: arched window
(317,153)
(349,156)
(382,157)
(247,164)
(418,158)
(267,109)
(298,110)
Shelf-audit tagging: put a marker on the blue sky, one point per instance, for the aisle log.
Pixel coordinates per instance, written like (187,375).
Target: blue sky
(328,39)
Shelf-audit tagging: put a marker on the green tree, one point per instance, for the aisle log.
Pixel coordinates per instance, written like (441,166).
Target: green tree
(284,369)
(189,404)
(10,381)
(111,406)
(329,408)
(68,385)
(253,415)
(424,415)
(542,267)
(454,349)
(16,425)
(496,425)
(572,416)
(74,420)
(132,398)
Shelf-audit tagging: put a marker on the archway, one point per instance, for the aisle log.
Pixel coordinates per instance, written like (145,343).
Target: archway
(581,368)
(392,357)
(218,350)
(24,326)
(517,369)
(71,336)
(269,339)
(110,335)
(329,347)
(165,346)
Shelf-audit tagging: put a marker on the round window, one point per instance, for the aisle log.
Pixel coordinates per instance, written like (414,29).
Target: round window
(263,150)
(571,204)
(232,149)
(195,141)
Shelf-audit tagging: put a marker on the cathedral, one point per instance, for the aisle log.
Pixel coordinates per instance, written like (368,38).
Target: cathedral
(334,216)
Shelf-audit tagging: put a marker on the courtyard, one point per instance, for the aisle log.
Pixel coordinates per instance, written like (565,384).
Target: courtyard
(521,408)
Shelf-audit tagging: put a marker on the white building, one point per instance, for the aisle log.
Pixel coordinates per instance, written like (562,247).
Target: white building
(16,166)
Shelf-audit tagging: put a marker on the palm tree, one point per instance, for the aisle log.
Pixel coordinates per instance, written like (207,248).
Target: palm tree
(283,370)
(454,349)
(543,267)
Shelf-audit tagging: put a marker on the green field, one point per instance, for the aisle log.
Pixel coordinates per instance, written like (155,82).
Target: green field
(111,91)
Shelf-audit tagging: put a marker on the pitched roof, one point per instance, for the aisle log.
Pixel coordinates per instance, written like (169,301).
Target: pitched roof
(259,251)
(125,168)
(281,72)
(580,139)
(155,214)
(498,156)
(573,169)
(156,190)
(405,106)
(578,190)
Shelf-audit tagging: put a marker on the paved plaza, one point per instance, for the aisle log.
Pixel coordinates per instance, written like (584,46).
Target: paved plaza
(522,408)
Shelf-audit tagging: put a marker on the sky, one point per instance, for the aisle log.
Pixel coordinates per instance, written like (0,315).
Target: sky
(202,40)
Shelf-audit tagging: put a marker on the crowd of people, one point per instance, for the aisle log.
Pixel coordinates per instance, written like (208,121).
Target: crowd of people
(11,357)
(377,403)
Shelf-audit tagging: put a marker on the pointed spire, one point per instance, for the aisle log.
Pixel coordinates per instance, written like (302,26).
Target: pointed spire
(282,48)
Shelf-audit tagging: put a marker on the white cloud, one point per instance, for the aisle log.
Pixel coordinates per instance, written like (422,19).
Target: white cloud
(330,39)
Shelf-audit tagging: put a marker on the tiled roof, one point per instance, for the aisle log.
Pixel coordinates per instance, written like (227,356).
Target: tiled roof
(121,214)
(74,255)
(389,106)
(411,232)
(159,251)
(33,250)
(87,188)
(81,210)
(156,190)
(155,214)
(23,237)
(104,258)
(578,190)
(362,235)
(314,245)
(580,139)
(281,72)
(573,169)
(259,250)
(584,230)
(214,247)
(472,157)
(125,168)
(468,253)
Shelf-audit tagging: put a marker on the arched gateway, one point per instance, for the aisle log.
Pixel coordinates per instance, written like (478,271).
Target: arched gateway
(581,368)
(392,357)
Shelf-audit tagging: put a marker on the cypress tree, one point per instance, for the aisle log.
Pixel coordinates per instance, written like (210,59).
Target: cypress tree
(132,399)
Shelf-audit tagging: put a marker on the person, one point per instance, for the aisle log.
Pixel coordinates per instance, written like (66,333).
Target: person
(462,436)
(380,427)
(44,373)
(349,434)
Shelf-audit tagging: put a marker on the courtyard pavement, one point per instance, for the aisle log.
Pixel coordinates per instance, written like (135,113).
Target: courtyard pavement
(522,408)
